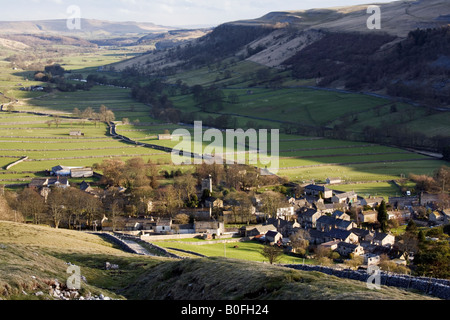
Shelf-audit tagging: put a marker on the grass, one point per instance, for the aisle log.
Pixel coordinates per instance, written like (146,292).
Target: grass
(229,279)
(31,256)
(364,172)
(383,189)
(240,250)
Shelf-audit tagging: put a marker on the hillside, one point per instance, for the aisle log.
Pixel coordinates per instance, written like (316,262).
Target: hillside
(34,256)
(331,47)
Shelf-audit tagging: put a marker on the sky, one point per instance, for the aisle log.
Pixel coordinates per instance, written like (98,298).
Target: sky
(161,12)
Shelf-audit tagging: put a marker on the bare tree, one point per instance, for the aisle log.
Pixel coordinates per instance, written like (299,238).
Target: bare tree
(300,241)
(272,253)
(30,203)
(57,205)
(271,201)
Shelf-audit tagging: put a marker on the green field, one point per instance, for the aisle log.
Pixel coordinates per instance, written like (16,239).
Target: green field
(302,158)
(239,250)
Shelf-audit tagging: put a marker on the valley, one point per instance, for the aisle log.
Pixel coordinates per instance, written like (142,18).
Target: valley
(369,109)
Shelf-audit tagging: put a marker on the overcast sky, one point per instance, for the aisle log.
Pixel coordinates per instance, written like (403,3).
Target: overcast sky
(162,12)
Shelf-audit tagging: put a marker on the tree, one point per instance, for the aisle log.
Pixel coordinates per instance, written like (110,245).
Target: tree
(300,241)
(383,216)
(408,243)
(112,170)
(412,226)
(181,218)
(271,201)
(433,259)
(57,205)
(31,204)
(354,261)
(272,253)
(186,184)
(169,199)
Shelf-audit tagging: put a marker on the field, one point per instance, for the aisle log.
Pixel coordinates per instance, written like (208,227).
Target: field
(249,251)
(47,146)
(301,158)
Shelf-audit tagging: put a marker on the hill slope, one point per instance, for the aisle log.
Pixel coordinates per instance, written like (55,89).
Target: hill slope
(31,257)
(228,279)
(283,34)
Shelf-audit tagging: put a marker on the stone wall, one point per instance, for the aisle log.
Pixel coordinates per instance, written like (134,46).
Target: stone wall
(439,288)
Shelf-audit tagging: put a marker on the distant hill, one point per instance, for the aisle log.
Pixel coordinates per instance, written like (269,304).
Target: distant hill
(89,27)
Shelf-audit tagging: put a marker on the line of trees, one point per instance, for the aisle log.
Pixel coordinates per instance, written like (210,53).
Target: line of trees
(60,206)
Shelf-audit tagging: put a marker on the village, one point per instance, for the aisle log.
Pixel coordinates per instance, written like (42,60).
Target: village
(319,219)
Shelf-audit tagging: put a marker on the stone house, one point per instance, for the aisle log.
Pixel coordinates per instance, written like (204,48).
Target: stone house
(371,259)
(399,215)
(370,216)
(285,213)
(345,249)
(384,240)
(332,245)
(364,234)
(286,228)
(209,227)
(341,235)
(317,190)
(273,236)
(164,226)
(371,201)
(212,202)
(252,231)
(327,223)
(427,199)
(341,215)
(308,218)
(346,197)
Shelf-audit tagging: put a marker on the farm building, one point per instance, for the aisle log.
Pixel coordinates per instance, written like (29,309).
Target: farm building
(39,183)
(334,180)
(211,227)
(164,137)
(74,172)
(317,190)
(61,171)
(346,197)
(370,216)
(81,172)
(76,133)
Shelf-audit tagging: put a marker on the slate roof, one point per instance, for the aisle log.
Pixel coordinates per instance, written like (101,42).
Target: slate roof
(316,187)
(338,234)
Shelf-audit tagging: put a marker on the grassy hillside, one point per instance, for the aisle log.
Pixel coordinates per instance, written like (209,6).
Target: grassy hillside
(33,256)
(228,279)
